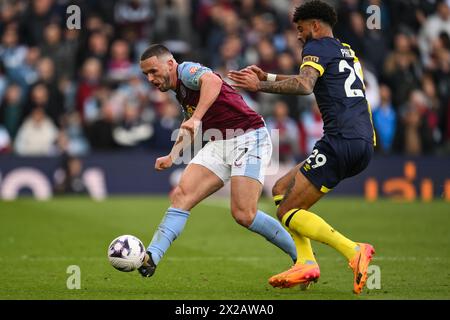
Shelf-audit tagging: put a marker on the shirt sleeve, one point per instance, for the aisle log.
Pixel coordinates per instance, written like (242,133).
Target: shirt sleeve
(313,56)
(191,73)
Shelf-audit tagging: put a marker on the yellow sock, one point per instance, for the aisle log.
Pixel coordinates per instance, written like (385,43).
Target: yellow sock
(314,227)
(305,252)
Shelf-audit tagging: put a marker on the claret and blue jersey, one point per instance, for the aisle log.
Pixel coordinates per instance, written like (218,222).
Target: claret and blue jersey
(228,112)
(340,90)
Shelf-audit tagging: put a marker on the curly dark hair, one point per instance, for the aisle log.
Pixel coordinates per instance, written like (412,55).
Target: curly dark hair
(315,10)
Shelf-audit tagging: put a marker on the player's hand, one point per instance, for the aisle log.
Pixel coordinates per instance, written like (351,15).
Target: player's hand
(262,76)
(245,79)
(191,126)
(163,163)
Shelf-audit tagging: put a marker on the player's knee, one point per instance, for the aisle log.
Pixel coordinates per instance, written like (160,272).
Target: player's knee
(179,199)
(244,217)
(244,220)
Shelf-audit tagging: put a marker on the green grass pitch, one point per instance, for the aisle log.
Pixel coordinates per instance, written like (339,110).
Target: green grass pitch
(215,258)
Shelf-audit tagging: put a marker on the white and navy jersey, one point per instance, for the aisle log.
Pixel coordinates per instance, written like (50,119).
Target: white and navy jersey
(340,90)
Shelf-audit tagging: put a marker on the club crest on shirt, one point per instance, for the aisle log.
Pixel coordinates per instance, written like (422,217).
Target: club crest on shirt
(190,110)
(310,58)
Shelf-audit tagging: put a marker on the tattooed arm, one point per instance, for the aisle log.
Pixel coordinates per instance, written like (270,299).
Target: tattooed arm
(282,77)
(302,84)
(262,75)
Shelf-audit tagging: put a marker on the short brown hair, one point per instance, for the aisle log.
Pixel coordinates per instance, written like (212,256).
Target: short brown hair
(156,50)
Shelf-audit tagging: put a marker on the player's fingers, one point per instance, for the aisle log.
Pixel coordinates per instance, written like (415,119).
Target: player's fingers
(254,68)
(240,72)
(239,76)
(249,71)
(236,75)
(159,163)
(162,166)
(235,72)
(239,81)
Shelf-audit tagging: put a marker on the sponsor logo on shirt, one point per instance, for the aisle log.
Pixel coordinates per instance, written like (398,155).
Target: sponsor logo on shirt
(311,58)
(193,70)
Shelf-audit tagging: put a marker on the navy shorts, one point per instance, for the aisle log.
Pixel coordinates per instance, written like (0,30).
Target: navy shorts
(334,159)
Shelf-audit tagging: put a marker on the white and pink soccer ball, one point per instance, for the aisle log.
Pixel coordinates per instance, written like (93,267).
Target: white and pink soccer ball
(126,253)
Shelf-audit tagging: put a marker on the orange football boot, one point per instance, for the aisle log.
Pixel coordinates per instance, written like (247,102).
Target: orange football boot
(299,274)
(359,264)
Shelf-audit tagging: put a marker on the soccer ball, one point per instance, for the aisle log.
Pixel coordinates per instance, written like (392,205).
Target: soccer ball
(126,253)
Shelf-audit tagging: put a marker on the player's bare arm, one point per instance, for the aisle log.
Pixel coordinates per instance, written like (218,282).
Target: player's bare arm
(183,140)
(282,77)
(302,84)
(210,86)
(262,75)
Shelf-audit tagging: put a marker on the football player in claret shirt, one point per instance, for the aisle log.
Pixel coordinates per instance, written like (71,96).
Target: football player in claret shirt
(333,73)
(240,152)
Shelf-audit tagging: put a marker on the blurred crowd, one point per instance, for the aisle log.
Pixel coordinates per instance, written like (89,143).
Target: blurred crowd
(75,92)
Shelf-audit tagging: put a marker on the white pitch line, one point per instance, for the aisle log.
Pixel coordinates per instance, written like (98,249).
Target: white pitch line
(236,258)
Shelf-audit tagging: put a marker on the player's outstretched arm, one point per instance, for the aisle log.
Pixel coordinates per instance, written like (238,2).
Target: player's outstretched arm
(302,84)
(262,75)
